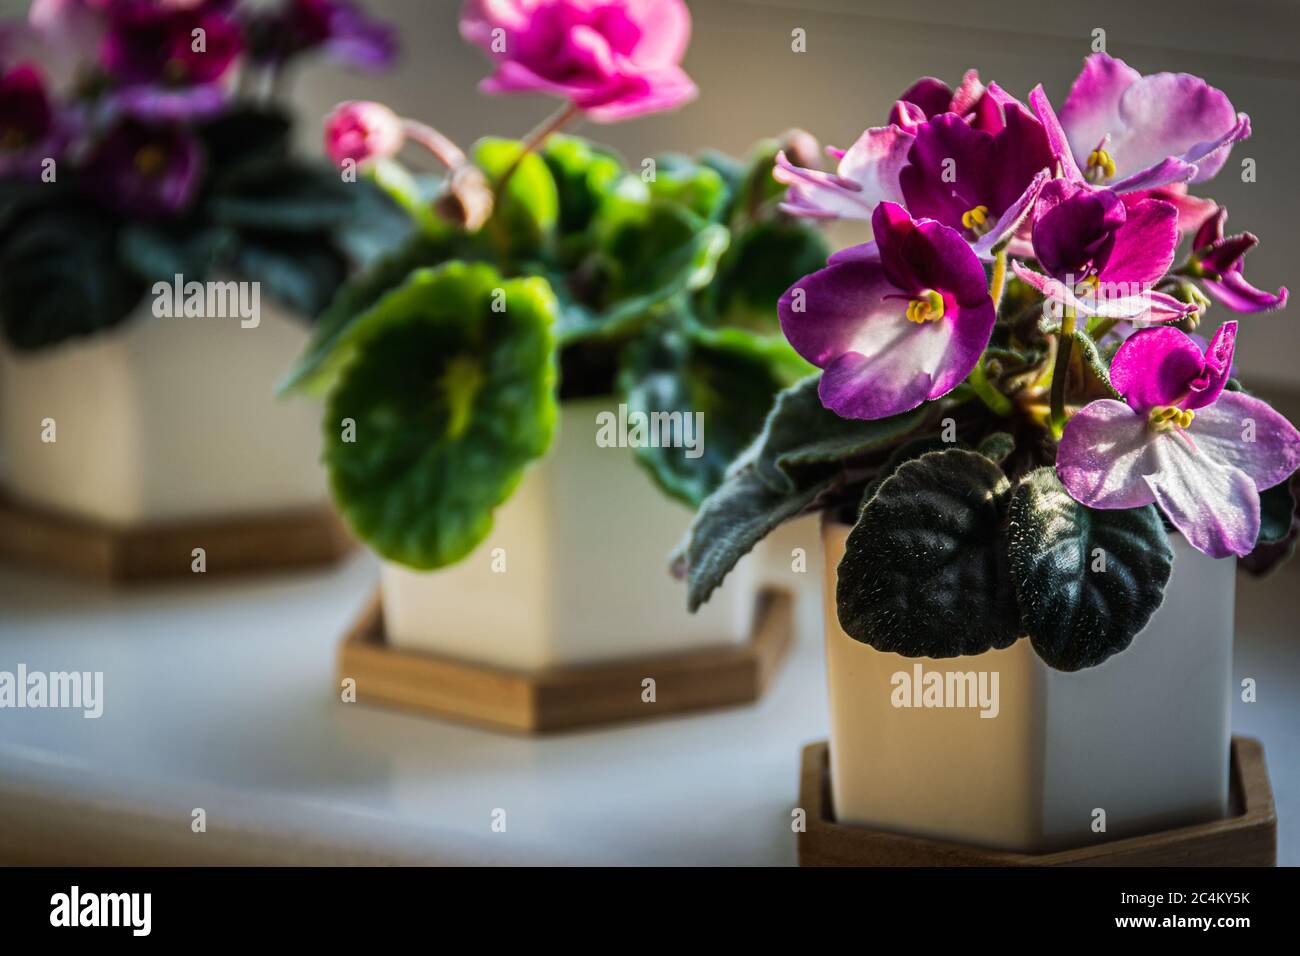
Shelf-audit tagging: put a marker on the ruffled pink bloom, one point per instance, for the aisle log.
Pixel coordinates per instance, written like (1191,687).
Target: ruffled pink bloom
(1180,440)
(894,322)
(613,59)
(362,130)
(1219,260)
(1131,131)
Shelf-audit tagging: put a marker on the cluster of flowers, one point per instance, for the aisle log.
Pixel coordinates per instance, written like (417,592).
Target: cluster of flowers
(1087,206)
(134,75)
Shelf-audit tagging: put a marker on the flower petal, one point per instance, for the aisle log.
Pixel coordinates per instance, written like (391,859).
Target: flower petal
(1011,220)
(1104,452)
(1057,141)
(1144,244)
(1214,505)
(1236,293)
(1155,367)
(1244,432)
(867,175)
(1091,111)
(1216,366)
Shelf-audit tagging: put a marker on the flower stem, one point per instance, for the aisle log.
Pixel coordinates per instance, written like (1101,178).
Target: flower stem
(978,380)
(999,280)
(552,124)
(443,149)
(1061,372)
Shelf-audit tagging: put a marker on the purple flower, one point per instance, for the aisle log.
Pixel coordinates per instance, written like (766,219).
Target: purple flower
(30,130)
(162,67)
(893,322)
(361,130)
(146,171)
(1101,254)
(1180,440)
(1135,132)
(976,167)
(1217,262)
(338,28)
(612,59)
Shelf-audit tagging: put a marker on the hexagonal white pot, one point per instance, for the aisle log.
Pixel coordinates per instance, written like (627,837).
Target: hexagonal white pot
(573,572)
(160,420)
(1143,737)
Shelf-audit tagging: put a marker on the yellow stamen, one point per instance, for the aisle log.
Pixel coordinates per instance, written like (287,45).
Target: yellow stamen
(1100,167)
(1163,418)
(928,307)
(1087,286)
(977,220)
(149,160)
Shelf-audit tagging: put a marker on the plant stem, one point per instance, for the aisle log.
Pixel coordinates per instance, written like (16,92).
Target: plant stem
(1101,328)
(1061,371)
(552,124)
(443,149)
(978,380)
(999,280)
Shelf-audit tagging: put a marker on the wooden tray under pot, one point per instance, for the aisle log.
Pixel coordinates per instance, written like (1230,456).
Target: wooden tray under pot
(1246,837)
(564,698)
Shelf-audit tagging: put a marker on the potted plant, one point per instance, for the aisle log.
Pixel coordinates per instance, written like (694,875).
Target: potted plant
(524,403)
(1030,472)
(162,253)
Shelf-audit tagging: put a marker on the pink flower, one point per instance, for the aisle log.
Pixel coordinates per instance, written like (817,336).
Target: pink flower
(360,130)
(613,59)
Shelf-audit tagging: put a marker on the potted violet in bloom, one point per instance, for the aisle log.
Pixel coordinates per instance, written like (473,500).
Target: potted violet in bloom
(525,403)
(162,254)
(1035,481)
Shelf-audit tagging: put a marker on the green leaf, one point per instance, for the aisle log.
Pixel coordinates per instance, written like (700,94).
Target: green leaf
(716,394)
(1087,580)
(908,451)
(244,139)
(286,196)
(60,277)
(774,351)
(923,573)
(762,262)
(739,514)
(585,175)
(1276,507)
(451,399)
(526,214)
(301,271)
(333,336)
(803,440)
(697,187)
(161,251)
(997,447)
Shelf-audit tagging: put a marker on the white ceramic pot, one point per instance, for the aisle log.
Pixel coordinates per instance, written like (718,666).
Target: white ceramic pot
(1144,737)
(573,572)
(162,419)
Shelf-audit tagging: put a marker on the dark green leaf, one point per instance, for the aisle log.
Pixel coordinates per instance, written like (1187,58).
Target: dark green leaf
(287,196)
(1087,580)
(451,399)
(803,440)
(60,277)
(761,263)
(739,514)
(996,447)
(585,174)
(527,212)
(1276,507)
(300,271)
(697,187)
(161,251)
(924,569)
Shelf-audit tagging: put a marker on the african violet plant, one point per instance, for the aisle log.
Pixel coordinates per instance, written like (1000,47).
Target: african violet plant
(545,270)
(147,146)
(991,432)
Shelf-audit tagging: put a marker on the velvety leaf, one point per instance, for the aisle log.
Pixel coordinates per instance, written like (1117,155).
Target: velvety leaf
(924,570)
(1087,580)
(329,348)
(716,394)
(161,251)
(300,271)
(60,277)
(244,138)
(739,514)
(585,174)
(451,399)
(695,186)
(1277,507)
(908,451)
(287,196)
(802,439)
(997,447)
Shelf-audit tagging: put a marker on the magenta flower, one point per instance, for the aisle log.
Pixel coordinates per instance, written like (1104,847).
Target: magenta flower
(612,59)
(30,129)
(1180,440)
(162,71)
(338,28)
(866,176)
(1193,211)
(1217,262)
(360,130)
(893,322)
(1131,131)
(146,171)
(1101,254)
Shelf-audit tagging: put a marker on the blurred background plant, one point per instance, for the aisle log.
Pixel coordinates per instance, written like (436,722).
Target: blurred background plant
(143,140)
